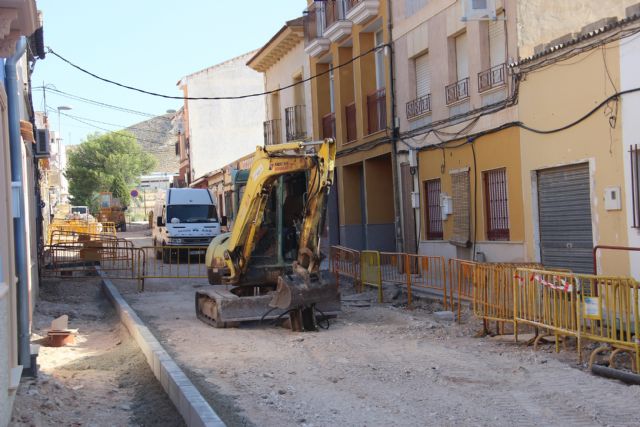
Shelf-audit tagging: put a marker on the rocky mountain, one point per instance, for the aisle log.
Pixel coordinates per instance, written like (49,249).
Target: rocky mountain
(156,136)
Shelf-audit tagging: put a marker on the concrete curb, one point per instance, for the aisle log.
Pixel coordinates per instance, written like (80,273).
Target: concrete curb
(184,395)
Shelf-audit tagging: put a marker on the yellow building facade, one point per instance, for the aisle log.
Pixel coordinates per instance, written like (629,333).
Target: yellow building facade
(351,100)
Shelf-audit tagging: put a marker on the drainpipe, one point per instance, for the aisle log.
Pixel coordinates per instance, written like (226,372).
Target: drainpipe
(17,184)
(394,137)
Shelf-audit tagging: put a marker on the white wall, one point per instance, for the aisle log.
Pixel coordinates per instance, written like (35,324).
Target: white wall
(281,74)
(224,130)
(630,79)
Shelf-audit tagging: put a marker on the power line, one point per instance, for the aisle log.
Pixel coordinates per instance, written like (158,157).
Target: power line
(473,137)
(126,135)
(110,124)
(216,98)
(97,103)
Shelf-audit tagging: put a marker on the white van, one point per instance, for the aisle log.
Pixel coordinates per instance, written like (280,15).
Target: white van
(186,217)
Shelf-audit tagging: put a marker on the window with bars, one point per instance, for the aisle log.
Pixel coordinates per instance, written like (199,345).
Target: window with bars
(496,204)
(433,214)
(634,154)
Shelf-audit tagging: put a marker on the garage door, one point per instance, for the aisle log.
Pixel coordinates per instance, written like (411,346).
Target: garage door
(566,237)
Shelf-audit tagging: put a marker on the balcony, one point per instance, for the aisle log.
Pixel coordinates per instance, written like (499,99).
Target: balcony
(377,111)
(457,91)
(329,126)
(337,27)
(271,132)
(295,123)
(361,11)
(315,43)
(352,129)
(418,107)
(491,78)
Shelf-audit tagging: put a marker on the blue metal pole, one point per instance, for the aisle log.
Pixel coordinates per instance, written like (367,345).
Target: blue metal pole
(19,222)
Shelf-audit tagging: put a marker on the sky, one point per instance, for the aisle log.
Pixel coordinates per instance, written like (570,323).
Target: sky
(149,44)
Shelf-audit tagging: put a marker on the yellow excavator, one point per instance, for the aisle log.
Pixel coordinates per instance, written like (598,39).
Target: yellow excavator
(268,266)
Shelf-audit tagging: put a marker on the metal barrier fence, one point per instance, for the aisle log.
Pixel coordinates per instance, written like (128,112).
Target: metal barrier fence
(172,262)
(428,272)
(346,262)
(492,298)
(79,259)
(609,314)
(65,236)
(461,276)
(79,226)
(370,273)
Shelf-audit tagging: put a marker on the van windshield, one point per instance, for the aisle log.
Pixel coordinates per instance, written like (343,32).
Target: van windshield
(191,213)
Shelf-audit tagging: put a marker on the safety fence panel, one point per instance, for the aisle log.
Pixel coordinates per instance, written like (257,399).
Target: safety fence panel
(79,259)
(428,272)
(547,299)
(461,275)
(492,294)
(64,236)
(79,226)
(609,313)
(394,268)
(370,273)
(173,262)
(345,262)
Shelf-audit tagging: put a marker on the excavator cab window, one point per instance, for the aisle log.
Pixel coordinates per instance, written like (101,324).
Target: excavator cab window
(295,186)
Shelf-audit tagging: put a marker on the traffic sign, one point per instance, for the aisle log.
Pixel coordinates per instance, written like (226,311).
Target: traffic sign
(134,193)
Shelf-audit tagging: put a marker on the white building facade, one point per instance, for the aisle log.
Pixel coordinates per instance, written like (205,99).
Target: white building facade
(221,131)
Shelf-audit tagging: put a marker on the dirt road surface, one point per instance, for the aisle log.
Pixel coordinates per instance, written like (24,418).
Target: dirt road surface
(101,380)
(377,365)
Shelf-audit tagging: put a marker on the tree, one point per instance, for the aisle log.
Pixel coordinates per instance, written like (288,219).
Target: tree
(120,190)
(108,162)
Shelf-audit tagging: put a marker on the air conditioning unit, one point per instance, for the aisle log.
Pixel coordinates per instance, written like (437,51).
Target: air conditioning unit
(479,10)
(43,146)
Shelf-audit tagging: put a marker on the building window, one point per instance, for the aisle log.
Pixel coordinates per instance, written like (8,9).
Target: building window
(496,204)
(460,188)
(433,214)
(495,75)
(422,103)
(634,152)
(379,60)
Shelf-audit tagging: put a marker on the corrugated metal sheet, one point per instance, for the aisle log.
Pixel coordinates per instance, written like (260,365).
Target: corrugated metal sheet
(566,236)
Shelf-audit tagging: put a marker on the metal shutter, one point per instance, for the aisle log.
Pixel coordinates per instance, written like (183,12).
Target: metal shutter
(566,237)
(462,59)
(423,75)
(497,41)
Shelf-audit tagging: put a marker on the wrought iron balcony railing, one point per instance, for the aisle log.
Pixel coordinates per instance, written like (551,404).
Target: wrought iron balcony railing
(271,132)
(419,106)
(457,91)
(314,22)
(295,123)
(493,77)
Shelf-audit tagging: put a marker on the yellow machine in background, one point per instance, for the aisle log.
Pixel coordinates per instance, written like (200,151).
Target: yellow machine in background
(268,266)
(111,210)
